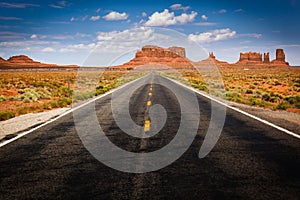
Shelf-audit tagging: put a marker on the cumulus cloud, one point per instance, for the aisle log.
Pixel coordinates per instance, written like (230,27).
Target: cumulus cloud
(76,47)
(213,36)
(33,36)
(167,18)
(95,18)
(113,15)
(178,6)
(48,50)
(204,17)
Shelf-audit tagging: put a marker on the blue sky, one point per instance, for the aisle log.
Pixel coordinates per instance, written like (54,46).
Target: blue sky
(66,32)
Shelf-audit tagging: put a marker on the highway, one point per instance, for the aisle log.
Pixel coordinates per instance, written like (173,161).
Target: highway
(251,160)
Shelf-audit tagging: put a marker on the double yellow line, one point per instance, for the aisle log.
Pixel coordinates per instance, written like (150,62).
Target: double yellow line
(147,121)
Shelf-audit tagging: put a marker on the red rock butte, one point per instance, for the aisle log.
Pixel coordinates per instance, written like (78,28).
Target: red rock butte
(256,59)
(24,62)
(173,57)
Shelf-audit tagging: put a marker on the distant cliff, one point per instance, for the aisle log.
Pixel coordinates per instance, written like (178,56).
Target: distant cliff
(254,58)
(23,62)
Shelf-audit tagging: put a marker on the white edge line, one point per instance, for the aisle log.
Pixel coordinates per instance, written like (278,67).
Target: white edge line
(238,110)
(66,113)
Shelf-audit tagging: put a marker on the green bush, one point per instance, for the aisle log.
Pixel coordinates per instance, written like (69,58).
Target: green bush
(2,98)
(26,100)
(10,98)
(6,115)
(248,91)
(283,105)
(233,96)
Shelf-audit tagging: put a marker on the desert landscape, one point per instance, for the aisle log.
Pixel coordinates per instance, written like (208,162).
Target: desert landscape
(30,86)
(150,99)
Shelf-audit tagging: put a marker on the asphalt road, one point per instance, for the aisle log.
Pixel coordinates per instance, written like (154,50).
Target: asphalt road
(250,160)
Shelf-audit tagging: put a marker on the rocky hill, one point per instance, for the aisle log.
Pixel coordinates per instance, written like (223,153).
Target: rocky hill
(157,57)
(257,59)
(24,62)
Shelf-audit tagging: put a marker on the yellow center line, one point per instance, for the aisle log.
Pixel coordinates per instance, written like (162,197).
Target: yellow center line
(148,103)
(150,94)
(147,125)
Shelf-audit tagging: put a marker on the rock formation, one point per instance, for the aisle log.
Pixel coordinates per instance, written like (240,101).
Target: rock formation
(280,55)
(255,59)
(267,57)
(22,61)
(178,50)
(211,55)
(280,58)
(173,57)
(250,57)
(2,60)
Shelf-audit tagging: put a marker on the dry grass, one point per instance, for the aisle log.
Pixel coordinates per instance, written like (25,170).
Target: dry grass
(24,92)
(277,88)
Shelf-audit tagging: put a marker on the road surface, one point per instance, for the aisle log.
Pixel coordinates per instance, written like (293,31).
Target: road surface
(250,160)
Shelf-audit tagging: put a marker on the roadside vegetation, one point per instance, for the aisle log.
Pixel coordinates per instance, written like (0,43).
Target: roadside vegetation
(26,92)
(276,89)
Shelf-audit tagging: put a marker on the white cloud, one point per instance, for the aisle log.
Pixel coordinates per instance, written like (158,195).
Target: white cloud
(10,18)
(239,10)
(113,15)
(48,50)
(82,35)
(33,36)
(98,10)
(178,6)
(144,14)
(205,24)
(76,47)
(204,17)
(222,11)
(253,35)
(59,5)
(79,18)
(167,18)
(95,18)
(213,36)
(120,41)
(17,5)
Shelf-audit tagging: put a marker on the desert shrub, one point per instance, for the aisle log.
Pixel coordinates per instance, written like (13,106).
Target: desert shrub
(295,99)
(23,110)
(252,87)
(265,96)
(248,91)
(100,89)
(10,98)
(233,96)
(2,98)
(64,102)
(6,115)
(26,100)
(202,87)
(276,83)
(283,105)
